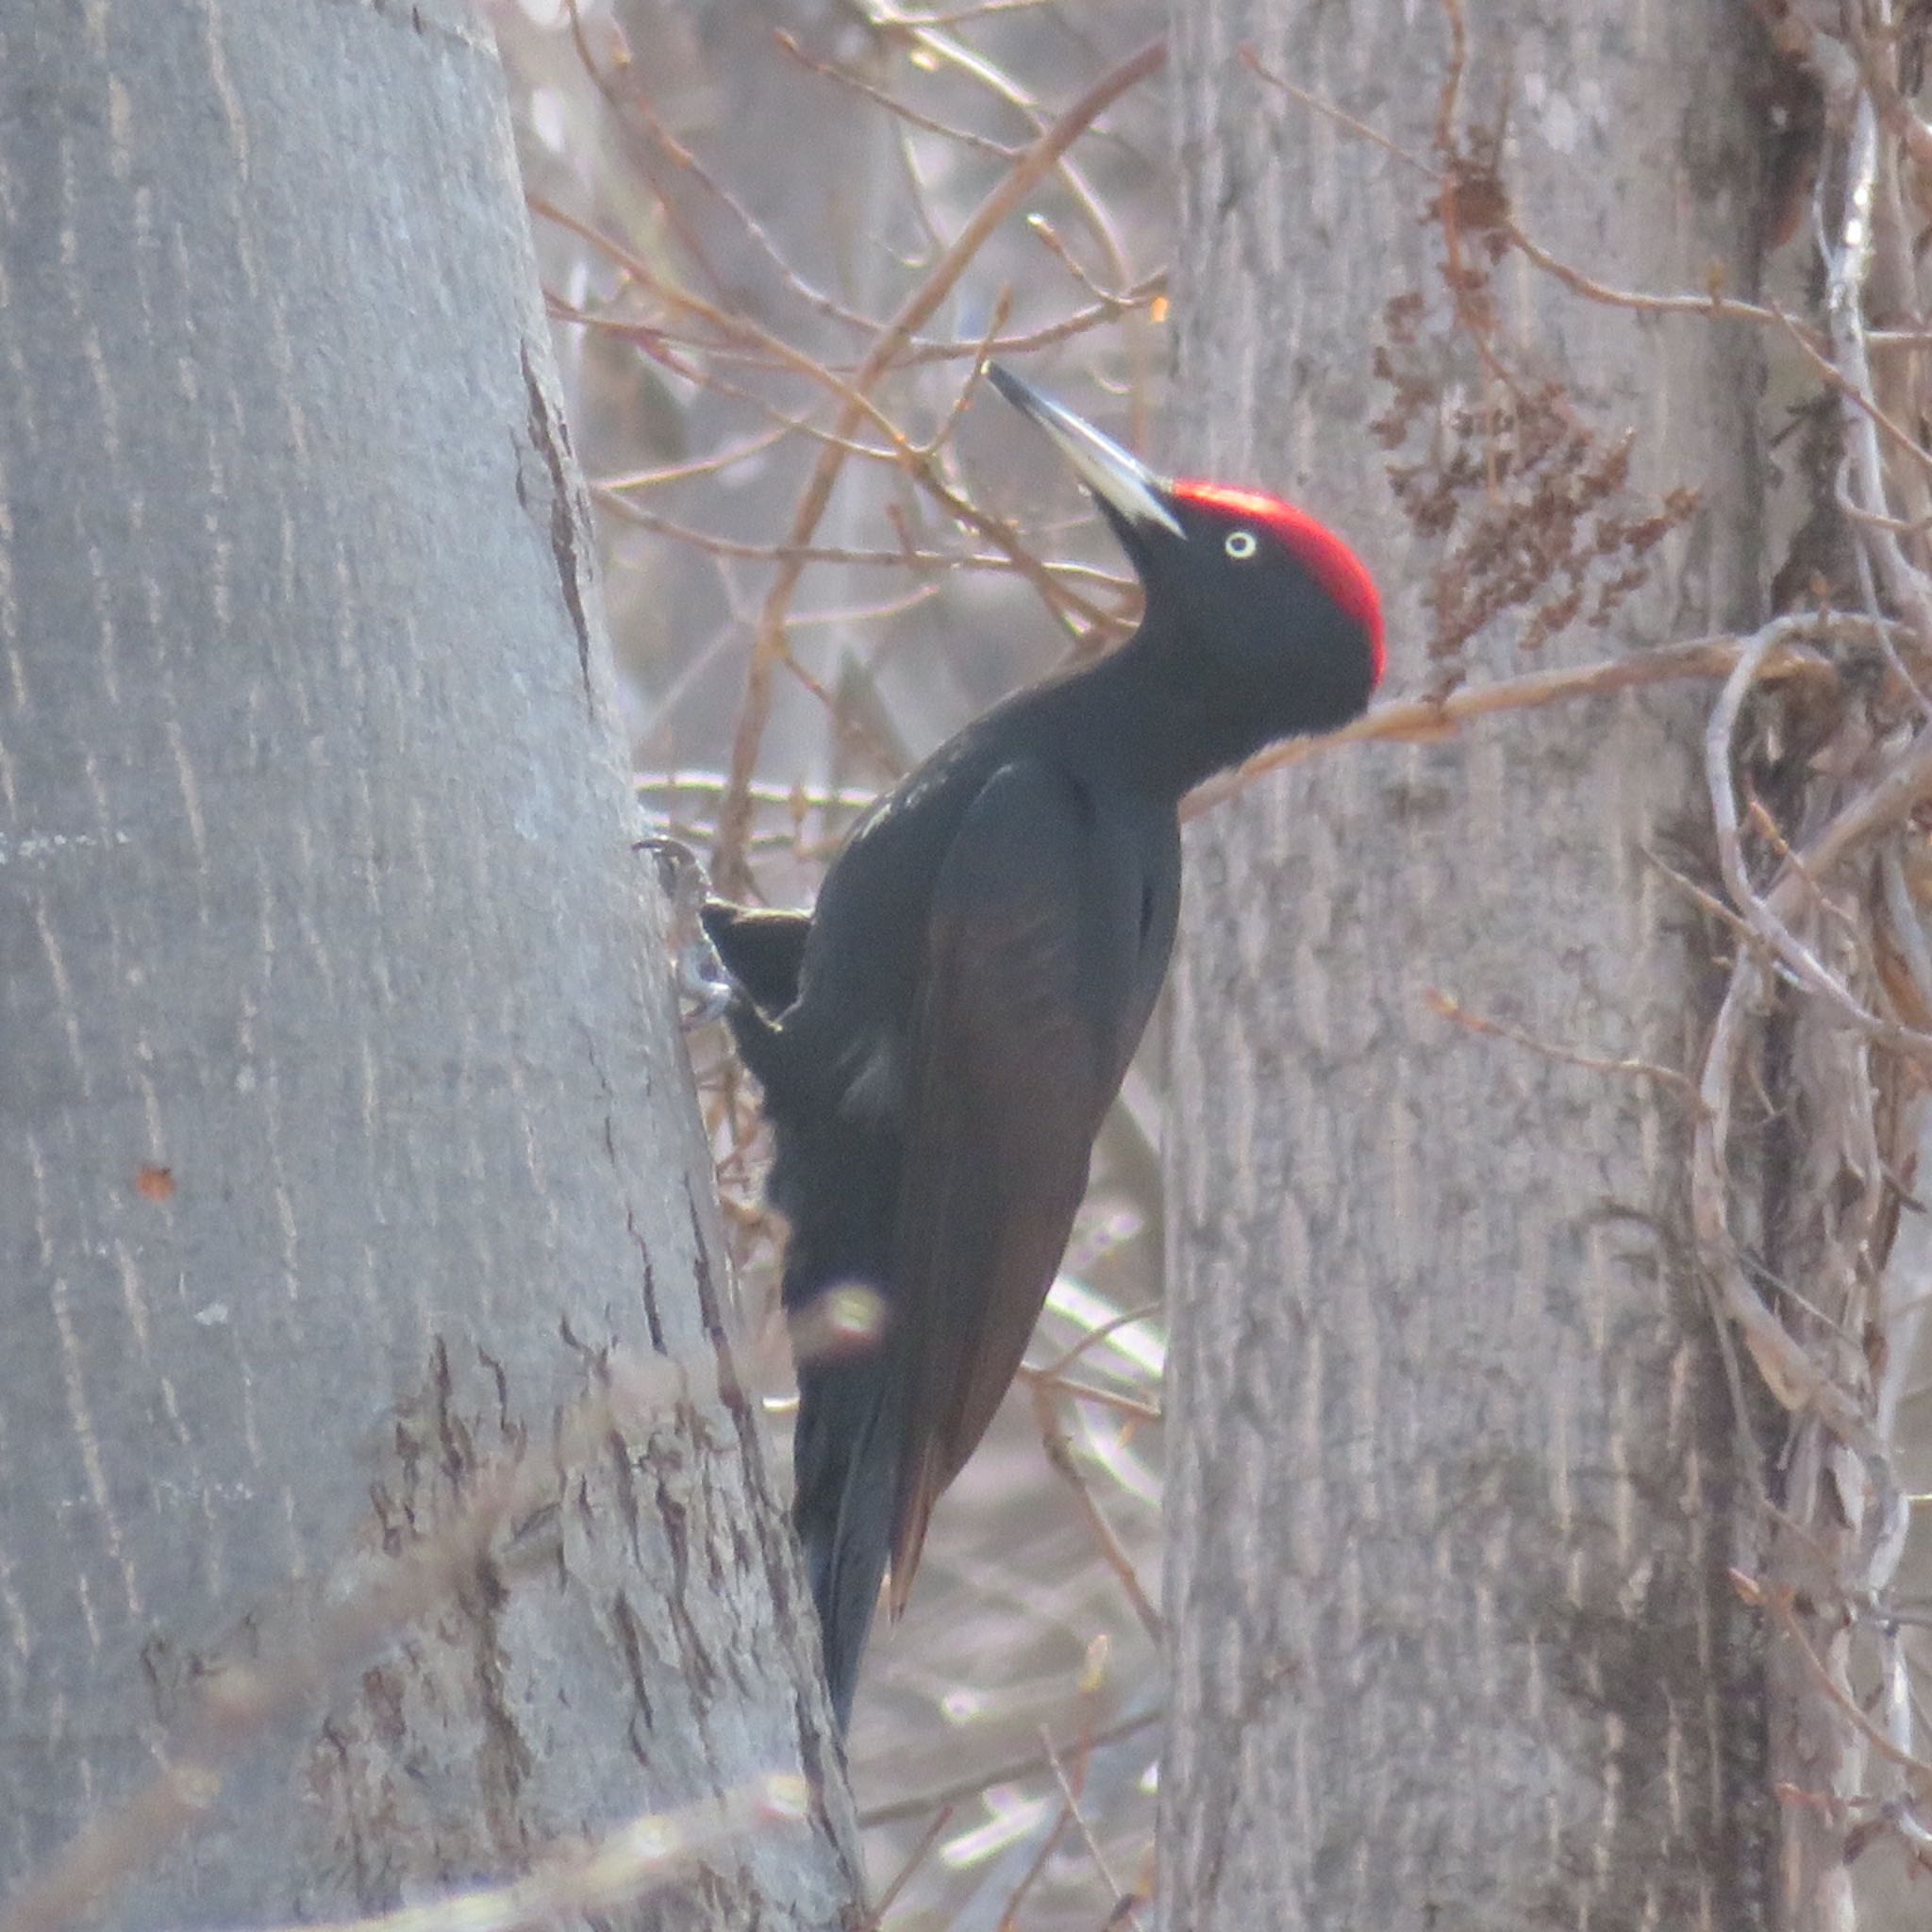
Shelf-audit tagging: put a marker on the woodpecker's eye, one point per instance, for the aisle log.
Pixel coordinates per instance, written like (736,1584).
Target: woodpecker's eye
(1240,544)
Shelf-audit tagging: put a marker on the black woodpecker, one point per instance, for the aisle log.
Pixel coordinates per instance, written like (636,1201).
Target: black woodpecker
(939,1039)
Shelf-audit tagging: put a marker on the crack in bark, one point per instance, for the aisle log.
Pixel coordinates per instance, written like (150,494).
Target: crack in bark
(550,440)
(503,1761)
(630,1644)
(627,1495)
(653,1320)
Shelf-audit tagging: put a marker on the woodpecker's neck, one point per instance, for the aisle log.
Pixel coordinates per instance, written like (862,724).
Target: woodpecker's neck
(1163,715)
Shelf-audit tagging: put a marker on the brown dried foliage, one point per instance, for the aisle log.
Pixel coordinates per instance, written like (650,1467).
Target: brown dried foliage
(1531,506)
(1528,505)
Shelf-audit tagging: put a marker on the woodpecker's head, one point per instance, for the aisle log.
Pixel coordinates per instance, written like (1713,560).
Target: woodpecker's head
(1263,586)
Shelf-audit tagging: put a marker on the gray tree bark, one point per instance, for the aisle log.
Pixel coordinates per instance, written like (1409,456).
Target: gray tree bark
(1452,1462)
(345,1133)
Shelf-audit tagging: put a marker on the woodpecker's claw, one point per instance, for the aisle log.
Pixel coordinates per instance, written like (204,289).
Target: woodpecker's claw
(681,872)
(703,987)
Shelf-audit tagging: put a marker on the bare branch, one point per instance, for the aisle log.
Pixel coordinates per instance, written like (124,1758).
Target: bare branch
(767,649)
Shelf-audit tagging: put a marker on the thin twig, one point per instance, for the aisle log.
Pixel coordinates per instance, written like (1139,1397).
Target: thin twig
(767,646)
(642,1857)
(1426,720)
(1123,1903)
(1060,1453)
(1456,1013)
(921,1851)
(897,1810)
(1133,1409)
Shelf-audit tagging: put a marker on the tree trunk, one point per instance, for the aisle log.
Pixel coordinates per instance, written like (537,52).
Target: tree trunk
(345,1134)
(1453,1465)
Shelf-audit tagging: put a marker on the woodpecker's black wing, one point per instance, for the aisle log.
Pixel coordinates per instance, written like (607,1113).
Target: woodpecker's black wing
(1048,935)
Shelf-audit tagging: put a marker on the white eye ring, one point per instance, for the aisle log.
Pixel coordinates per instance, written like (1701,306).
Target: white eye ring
(1240,544)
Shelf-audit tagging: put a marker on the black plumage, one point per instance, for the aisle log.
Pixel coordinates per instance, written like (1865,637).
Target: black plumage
(940,1039)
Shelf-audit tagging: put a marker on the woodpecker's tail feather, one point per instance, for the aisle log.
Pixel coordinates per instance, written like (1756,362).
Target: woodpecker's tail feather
(847,1463)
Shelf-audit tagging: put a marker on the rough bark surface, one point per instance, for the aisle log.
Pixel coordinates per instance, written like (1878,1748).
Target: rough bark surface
(344,1126)
(1452,1460)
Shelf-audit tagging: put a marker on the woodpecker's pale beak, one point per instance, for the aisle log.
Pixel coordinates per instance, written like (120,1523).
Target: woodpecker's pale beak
(1122,481)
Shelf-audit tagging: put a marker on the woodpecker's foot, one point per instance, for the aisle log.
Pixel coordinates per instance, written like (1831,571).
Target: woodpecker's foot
(704,993)
(703,988)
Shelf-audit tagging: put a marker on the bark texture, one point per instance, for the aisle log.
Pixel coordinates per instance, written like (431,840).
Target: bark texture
(1451,1460)
(344,1125)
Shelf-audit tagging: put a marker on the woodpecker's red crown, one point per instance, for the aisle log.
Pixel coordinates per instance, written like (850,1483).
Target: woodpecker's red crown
(1330,561)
